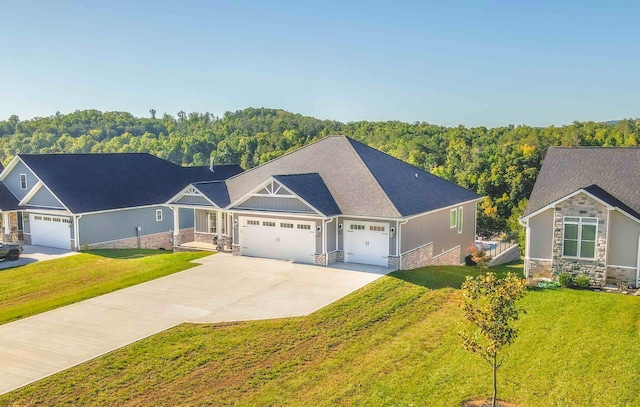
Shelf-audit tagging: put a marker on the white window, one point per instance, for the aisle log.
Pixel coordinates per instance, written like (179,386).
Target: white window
(453,218)
(23,181)
(223,220)
(460,213)
(579,237)
(158,215)
(213,222)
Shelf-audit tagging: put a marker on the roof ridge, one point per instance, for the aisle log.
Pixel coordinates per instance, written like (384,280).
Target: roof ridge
(370,174)
(287,153)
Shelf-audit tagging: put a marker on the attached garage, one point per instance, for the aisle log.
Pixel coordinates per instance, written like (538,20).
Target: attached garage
(273,238)
(52,231)
(366,242)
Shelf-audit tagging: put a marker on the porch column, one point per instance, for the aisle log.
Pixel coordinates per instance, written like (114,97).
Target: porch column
(219,225)
(5,223)
(176,225)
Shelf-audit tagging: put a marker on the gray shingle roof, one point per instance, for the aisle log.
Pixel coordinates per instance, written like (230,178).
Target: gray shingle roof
(216,191)
(363,181)
(614,170)
(95,182)
(312,189)
(8,201)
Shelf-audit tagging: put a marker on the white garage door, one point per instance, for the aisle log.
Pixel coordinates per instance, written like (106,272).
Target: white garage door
(366,243)
(278,239)
(52,231)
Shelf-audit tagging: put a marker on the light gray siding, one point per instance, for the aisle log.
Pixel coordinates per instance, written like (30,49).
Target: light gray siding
(392,240)
(330,233)
(12,180)
(193,200)
(186,218)
(26,227)
(115,225)
(275,204)
(202,221)
(434,228)
(622,249)
(45,199)
(541,235)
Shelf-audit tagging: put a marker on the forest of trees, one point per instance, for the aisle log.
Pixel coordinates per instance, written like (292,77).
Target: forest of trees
(500,163)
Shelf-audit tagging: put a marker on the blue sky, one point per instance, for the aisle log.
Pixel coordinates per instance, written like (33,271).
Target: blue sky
(487,63)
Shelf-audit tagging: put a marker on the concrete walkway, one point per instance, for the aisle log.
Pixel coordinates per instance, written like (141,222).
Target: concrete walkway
(223,288)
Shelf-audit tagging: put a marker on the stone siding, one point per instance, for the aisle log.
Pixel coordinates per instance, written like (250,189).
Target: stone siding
(581,205)
(617,275)
(538,269)
(235,250)
(185,235)
(319,259)
(200,237)
(336,256)
(448,258)
(393,262)
(155,241)
(415,258)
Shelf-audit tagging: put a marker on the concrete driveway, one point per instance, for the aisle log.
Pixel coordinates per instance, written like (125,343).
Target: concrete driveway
(223,288)
(32,254)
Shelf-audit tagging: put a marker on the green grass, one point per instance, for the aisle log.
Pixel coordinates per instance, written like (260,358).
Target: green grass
(43,286)
(392,343)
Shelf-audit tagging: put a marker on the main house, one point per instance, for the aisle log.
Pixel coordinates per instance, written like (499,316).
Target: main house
(75,201)
(583,216)
(334,200)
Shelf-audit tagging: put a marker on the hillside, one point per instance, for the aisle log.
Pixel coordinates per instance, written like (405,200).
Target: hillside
(501,163)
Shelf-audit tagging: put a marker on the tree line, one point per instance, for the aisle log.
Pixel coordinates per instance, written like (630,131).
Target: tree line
(499,163)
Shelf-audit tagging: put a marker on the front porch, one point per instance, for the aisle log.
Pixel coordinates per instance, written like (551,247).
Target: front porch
(210,232)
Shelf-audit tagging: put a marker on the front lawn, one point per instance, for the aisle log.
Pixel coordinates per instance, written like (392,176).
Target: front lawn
(42,286)
(392,343)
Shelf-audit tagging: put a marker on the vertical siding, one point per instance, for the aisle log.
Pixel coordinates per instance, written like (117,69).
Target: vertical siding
(622,248)
(202,220)
(275,204)
(12,180)
(330,234)
(108,226)
(541,235)
(434,228)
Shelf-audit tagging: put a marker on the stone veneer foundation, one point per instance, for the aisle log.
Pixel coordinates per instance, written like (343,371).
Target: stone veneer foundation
(415,258)
(581,205)
(162,240)
(539,269)
(616,275)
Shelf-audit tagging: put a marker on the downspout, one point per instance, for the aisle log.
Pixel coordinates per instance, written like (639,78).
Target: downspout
(324,241)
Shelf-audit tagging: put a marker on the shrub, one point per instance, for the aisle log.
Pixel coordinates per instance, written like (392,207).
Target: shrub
(566,279)
(478,255)
(582,281)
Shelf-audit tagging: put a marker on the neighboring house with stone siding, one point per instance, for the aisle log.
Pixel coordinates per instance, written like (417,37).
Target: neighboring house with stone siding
(583,216)
(71,201)
(335,200)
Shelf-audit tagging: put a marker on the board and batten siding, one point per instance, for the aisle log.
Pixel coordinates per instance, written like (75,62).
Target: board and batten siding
(434,228)
(330,234)
(193,200)
(622,245)
(45,199)
(541,235)
(392,240)
(12,180)
(267,203)
(122,224)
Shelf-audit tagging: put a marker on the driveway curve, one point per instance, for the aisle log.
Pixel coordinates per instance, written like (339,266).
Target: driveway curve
(222,288)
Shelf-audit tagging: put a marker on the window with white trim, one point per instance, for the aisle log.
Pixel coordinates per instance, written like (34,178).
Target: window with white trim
(579,237)
(453,218)
(158,215)
(213,222)
(23,181)
(460,213)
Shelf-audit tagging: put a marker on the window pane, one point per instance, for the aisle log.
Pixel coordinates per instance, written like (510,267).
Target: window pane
(588,249)
(589,220)
(570,248)
(589,232)
(571,232)
(568,219)
(452,218)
